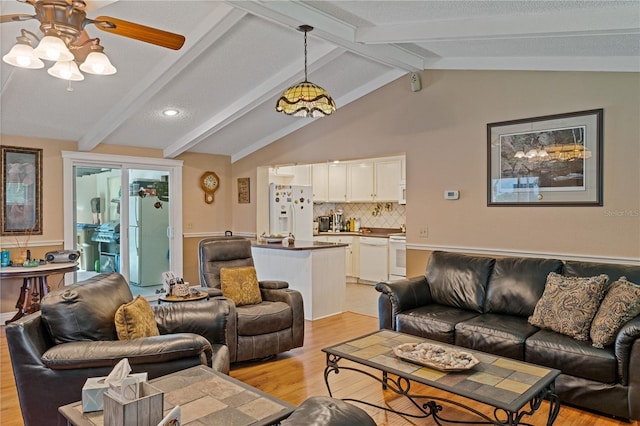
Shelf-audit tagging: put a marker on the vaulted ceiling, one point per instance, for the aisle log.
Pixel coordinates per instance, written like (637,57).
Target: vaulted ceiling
(239,56)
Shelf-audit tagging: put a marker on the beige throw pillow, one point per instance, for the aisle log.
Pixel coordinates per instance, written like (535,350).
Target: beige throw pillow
(620,304)
(136,319)
(569,304)
(240,285)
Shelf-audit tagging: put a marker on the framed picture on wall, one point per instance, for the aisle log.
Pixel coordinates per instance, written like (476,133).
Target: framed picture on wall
(21,191)
(244,194)
(554,160)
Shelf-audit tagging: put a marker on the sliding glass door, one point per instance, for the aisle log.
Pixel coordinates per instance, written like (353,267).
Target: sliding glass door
(124,214)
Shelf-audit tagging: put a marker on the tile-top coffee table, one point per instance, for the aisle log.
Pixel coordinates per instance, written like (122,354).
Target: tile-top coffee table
(206,397)
(514,388)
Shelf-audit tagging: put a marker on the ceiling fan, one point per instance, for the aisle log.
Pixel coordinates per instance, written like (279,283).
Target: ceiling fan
(65,20)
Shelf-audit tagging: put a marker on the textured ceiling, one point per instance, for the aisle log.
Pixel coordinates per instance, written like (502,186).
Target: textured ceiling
(240,55)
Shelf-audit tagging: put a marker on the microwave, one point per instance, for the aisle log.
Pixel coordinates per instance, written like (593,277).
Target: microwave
(402,192)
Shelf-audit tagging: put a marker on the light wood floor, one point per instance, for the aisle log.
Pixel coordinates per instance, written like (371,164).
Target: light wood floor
(298,374)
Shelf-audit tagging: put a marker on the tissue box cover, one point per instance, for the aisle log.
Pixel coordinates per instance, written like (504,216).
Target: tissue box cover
(147,410)
(94,389)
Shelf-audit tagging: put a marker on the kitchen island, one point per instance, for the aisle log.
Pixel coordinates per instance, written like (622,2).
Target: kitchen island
(315,269)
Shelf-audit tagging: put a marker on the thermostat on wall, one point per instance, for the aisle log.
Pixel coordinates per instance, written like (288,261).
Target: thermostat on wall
(451,195)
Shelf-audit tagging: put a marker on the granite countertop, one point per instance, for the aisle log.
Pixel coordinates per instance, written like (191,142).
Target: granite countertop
(299,245)
(369,232)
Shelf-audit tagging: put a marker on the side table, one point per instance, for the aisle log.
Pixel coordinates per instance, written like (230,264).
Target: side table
(39,290)
(174,299)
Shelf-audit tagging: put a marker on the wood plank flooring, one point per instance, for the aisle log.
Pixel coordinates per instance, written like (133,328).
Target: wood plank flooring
(298,374)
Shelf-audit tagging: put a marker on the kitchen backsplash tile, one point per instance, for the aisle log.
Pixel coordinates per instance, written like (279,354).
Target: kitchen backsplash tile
(372,215)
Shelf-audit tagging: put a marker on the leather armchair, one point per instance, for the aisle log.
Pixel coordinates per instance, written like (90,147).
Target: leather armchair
(276,325)
(50,369)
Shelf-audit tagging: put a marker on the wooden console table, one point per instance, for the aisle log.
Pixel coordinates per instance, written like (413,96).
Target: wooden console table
(38,290)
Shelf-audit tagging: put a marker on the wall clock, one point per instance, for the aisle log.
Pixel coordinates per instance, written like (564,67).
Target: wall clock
(209,182)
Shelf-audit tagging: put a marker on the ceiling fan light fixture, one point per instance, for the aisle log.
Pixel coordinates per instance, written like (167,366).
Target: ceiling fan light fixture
(66,70)
(22,56)
(306,99)
(53,49)
(98,63)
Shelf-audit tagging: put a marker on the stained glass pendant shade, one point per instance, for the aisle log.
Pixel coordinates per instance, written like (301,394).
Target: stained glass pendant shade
(306,99)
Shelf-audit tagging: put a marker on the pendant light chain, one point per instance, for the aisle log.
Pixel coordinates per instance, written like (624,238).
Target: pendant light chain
(305,55)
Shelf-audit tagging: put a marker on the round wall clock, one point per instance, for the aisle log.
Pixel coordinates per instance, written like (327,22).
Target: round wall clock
(209,182)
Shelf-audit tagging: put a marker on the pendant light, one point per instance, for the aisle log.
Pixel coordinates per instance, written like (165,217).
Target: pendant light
(306,99)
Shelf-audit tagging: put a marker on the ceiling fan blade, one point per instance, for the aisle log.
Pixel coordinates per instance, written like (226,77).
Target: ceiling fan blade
(16,18)
(139,32)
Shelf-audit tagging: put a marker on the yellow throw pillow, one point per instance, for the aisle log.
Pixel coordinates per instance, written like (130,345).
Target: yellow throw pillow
(136,319)
(240,285)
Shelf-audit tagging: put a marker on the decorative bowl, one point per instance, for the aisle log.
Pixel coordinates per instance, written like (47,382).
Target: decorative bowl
(272,240)
(438,357)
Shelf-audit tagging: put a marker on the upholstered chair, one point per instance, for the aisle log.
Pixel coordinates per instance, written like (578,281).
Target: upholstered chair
(268,326)
(74,337)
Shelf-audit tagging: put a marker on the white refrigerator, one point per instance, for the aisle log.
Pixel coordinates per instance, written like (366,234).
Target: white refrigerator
(148,240)
(291,211)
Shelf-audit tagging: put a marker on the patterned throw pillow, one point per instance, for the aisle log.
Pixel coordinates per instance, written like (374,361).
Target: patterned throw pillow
(136,319)
(620,304)
(240,285)
(569,304)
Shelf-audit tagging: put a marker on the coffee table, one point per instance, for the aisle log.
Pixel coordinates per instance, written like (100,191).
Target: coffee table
(514,388)
(206,397)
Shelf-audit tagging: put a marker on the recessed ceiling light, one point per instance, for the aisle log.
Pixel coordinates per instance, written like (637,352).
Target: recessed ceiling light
(170,112)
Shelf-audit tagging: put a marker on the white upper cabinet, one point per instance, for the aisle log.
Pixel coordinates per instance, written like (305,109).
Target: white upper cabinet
(291,175)
(361,181)
(320,182)
(337,182)
(374,180)
(388,173)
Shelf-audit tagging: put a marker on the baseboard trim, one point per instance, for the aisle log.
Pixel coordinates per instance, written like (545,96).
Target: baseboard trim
(521,253)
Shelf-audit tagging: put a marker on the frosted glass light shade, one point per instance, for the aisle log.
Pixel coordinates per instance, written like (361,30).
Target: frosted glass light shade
(98,63)
(66,70)
(21,55)
(53,49)
(306,100)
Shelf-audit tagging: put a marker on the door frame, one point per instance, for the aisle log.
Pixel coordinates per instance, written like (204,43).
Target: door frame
(125,162)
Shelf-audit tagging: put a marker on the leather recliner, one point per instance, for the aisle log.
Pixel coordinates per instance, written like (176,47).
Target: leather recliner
(54,351)
(274,326)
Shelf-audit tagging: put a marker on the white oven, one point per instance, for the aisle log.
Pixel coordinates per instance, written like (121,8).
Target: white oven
(397,257)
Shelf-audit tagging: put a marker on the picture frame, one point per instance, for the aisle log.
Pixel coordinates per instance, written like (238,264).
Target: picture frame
(553,160)
(21,191)
(244,193)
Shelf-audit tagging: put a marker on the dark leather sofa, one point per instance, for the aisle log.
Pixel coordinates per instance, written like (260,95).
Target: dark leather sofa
(50,373)
(483,303)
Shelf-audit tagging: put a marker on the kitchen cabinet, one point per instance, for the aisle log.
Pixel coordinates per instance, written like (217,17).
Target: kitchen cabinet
(361,181)
(374,180)
(350,253)
(320,182)
(291,175)
(388,174)
(337,191)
